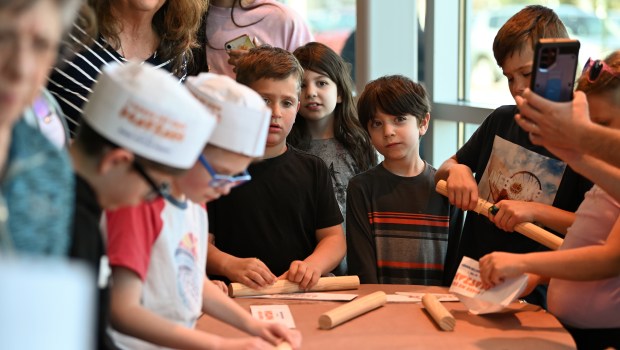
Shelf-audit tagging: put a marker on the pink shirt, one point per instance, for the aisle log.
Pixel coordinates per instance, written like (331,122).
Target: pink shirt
(591,304)
(279,26)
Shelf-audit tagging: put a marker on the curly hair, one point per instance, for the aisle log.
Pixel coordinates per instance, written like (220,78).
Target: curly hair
(348,131)
(176,23)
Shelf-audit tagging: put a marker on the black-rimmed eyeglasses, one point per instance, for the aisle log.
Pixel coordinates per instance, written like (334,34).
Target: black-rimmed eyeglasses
(220,180)
(161,190)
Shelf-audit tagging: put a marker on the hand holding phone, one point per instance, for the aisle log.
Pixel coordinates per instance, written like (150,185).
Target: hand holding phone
(242,42)
(555,66)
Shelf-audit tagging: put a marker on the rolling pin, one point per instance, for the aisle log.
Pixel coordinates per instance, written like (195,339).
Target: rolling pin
(285,286)
(438,312)
(352,309)
(527,229)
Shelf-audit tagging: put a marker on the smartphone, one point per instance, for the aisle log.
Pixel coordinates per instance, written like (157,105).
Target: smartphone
(242,42)
(555,66)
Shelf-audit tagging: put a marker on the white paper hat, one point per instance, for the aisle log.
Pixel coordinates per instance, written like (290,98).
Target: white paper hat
(146,111)
(243,117)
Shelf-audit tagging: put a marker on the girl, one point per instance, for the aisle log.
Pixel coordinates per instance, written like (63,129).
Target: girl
(327,124)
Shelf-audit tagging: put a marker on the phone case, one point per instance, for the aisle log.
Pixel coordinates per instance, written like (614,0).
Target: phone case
(242,42)
(555,66)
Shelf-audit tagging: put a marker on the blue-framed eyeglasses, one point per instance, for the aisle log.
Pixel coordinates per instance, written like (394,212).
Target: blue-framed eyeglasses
(161,190)
(219,180)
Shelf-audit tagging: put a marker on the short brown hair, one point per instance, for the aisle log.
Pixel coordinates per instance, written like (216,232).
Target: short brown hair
(395,95)
(268,62)
(605,80)
(526,27)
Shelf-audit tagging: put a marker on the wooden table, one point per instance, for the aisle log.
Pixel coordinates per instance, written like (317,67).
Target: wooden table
(408,326)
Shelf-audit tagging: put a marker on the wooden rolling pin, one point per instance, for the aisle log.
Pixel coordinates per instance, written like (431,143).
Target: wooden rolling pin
(527,229)
(285,286)
(352,309)
(438,312)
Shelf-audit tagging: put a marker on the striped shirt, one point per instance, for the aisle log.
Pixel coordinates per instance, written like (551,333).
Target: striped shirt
(71,81)
(397,228)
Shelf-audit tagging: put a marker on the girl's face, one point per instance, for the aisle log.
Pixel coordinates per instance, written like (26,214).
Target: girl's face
(196,183)
(28,49)
(605,108)
(319,96)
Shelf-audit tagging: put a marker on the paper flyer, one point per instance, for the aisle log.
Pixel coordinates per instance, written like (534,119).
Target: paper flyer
(467,286)
(273,313)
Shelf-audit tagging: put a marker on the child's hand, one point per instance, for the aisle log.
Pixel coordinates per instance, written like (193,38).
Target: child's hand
(512,213)
(221,285)
(303,273)
(275,333)
(250,271)
(496,267)
(462,187)
(235,55)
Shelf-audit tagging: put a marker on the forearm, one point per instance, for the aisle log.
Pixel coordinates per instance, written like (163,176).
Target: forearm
(603,174)
(579,264)
(328,253)
(220,306)
(551,217)
(601,142)
(217,261)
(444,170)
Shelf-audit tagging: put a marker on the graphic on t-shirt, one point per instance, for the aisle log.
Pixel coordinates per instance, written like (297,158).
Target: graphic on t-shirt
(515,173)
(189,275)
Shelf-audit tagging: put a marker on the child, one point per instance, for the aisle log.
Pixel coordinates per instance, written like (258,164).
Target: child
(523,180)
(398,226)
(296,233)
(327,124)
(134,138)
(585,271)
(158,249)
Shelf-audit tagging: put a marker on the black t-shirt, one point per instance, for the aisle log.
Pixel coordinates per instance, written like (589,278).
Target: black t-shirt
(274,217)
(508,166)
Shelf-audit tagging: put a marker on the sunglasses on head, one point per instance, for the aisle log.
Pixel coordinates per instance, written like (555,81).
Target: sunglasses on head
(594,68)
(219,180)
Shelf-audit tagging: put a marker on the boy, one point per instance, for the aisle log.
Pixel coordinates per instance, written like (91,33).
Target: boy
(296,233)
(158,249)
(523,180)
(139,128)
(398,226)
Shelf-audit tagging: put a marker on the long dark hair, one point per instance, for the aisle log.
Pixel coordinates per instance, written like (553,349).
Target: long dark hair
(347,129)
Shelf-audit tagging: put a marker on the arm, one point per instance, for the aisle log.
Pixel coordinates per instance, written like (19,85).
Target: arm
(462,187)
(513,212)
(220,306)
(567,125)
(579,264)
(250,271)
(130,317)
(361,251)
(327,254)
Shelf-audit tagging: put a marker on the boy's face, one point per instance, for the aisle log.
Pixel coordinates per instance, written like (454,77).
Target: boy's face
(282,96)
(126,184)
(396,137)
(518,70)
(28,49)
(196,183)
